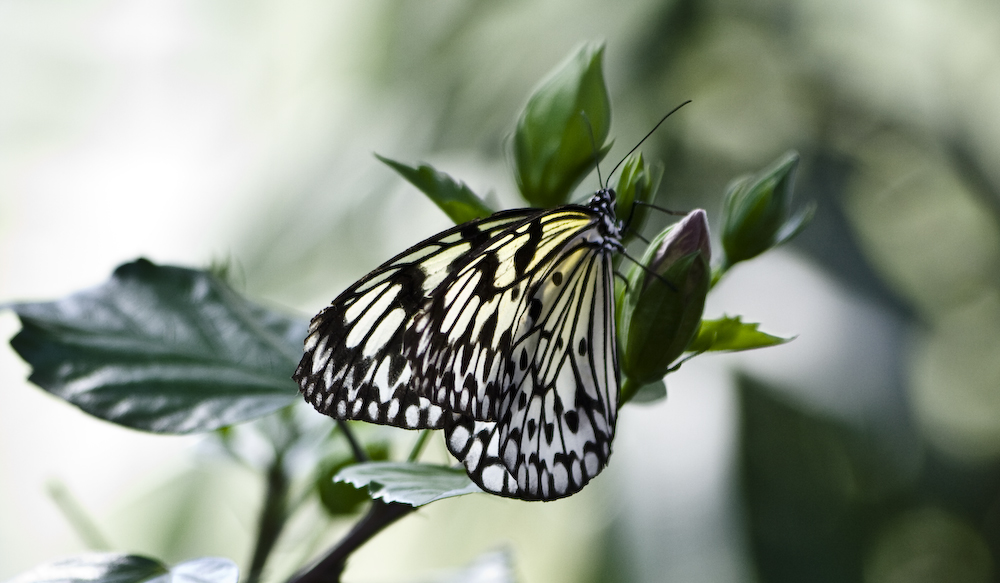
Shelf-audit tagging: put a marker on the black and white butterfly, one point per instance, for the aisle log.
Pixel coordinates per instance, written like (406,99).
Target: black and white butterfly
(501,331)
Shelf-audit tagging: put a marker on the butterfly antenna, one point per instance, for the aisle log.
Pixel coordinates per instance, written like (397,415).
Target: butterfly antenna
(672,111)
(661,209)
(623,278)
(593,144)
(649,271)
(637,234)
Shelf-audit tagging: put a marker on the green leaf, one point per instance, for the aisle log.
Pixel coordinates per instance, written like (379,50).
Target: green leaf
(343,498)
(122,568)
(408,483)
(732,334)
(455,198)
(652,393)
(162,349)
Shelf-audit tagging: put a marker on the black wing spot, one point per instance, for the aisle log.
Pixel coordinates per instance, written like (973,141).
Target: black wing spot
(531,428)
(557,278)
(514,292)
(572,421)
(550,429)
(535,309)
(559,343)
(522,400)
(524,359)
(582,349)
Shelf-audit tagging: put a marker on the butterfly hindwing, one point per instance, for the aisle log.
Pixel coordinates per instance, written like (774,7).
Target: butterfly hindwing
(353,366)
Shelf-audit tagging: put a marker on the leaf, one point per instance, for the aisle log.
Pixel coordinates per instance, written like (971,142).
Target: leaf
(162,349)
(409,483)
(122,568)
(814,489)
(342,498)
(204,570)
(455,198)
(732,334)
(651,393)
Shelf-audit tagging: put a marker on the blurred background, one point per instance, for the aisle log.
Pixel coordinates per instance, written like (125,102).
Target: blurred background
(195,132)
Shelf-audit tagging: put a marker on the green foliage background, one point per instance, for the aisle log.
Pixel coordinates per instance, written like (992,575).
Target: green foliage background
(189,132)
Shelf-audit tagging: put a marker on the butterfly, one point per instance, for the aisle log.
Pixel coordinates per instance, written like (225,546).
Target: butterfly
(501,332)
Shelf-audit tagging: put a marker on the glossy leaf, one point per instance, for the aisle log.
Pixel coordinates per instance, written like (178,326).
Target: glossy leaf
(162,349)
(408,483)
(453,197)
(731,334)
(122,568)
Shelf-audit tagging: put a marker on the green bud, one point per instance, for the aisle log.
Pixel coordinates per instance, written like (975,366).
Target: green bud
(756,212)
(552,147)
(636,183)
(656,322)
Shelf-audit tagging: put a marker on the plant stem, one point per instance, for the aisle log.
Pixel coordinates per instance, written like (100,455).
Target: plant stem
(359,453)
(419,445)
(77,517)
(331,567)
(272,517)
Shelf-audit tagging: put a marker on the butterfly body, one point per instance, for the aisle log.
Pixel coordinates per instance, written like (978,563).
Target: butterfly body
(500,331)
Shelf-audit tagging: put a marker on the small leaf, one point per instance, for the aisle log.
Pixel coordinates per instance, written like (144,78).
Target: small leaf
(162,349)
(122,568)
(651,393)
(408,483)
(453,197)
(732,334)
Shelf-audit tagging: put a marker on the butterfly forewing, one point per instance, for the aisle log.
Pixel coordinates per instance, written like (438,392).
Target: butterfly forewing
(353,366)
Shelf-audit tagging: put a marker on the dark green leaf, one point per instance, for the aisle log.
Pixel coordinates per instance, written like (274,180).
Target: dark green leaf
(163,349)
(408,483)
(121,568)
(455,198)
(813,487)
(732,334)
(343,498)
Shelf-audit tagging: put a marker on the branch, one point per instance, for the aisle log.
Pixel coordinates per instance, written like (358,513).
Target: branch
(272,517)
(331,567)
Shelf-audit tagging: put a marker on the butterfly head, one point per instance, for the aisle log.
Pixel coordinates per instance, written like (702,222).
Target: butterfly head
(603,202)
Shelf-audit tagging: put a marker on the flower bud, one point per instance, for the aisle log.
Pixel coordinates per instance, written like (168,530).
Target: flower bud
(636,183)
(756,212)
(552,146)
(659,315)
